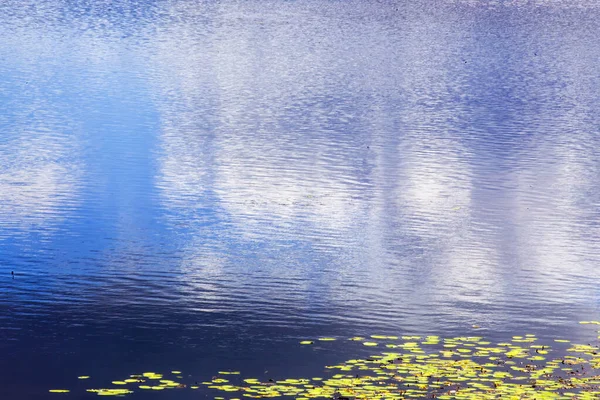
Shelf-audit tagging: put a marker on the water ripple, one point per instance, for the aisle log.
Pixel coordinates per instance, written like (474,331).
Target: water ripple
(184,181)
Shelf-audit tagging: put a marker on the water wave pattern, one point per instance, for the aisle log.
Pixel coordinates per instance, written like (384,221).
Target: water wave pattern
(192,180)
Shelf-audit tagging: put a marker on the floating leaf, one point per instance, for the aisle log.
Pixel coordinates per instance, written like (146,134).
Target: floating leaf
(466,368)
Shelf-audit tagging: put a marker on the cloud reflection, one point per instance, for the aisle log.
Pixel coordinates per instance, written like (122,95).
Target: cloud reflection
(284,146)
(38,171)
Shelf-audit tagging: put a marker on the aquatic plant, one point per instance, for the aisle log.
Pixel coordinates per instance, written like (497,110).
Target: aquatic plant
(410,367)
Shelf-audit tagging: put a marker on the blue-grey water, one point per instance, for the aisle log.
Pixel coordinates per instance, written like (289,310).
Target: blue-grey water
(198,185)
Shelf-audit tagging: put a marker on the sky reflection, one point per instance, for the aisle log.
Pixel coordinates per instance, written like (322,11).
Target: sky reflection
(184,178)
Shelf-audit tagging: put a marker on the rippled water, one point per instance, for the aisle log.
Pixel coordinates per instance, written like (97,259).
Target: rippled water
(199,185)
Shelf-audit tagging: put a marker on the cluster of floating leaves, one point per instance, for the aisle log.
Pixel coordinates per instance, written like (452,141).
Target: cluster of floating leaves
(411,367)
(145,381)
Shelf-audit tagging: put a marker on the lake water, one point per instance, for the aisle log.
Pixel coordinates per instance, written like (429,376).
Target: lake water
(200,185)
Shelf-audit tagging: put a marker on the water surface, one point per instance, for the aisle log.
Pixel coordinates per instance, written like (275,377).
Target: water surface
(200,185)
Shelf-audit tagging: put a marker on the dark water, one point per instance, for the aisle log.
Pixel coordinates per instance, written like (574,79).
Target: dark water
(200,185)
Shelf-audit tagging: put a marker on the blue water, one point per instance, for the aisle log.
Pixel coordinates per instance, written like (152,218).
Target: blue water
(200,185)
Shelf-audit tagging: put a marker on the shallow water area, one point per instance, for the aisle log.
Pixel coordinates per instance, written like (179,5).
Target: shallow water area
(200,186)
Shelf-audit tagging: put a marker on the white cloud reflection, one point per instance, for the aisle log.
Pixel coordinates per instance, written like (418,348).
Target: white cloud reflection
(38,170)
(271,131)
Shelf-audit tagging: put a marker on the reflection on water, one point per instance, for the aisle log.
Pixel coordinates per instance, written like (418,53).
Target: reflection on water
(38,171)
(184,180)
